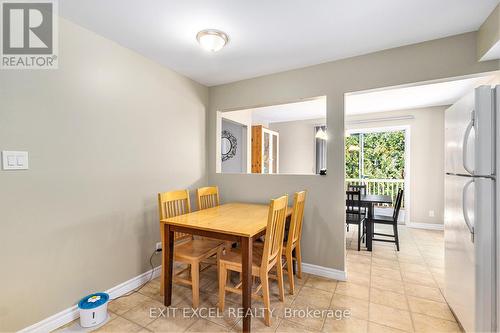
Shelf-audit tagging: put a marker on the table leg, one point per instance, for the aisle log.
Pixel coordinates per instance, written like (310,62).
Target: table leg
(246,277)
(369,228)
(168,260)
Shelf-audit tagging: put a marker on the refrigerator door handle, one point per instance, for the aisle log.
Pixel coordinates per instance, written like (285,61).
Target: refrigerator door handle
(464,209)
(469,128)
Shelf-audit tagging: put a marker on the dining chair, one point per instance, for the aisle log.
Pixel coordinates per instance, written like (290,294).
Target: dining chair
(293,239)
(207,197)
(390,220)
(354,215)
(187,250)
(361,188)
(261,263)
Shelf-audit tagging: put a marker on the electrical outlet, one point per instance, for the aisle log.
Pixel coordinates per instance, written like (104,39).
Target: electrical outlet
(431,213)
(158,246)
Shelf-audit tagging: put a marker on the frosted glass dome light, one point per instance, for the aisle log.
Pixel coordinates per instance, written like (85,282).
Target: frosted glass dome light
(212,40)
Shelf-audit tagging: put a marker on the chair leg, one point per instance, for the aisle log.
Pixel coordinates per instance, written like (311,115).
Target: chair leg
(298,255)
(222,286)
(363,237)
(279,273)
(396,236)
(265,296)
(289,268)
(228,246)
(195,283)
(359,237)
(217,258)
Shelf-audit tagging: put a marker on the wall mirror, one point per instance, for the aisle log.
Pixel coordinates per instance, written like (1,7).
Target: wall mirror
(229,145)
(287,138)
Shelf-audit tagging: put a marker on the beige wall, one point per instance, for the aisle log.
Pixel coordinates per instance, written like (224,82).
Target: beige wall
(323,236)
(426,157)
(105,132)
(297,145)
(489,33)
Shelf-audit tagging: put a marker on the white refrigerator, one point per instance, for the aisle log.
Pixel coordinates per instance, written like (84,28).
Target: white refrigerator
(470,209)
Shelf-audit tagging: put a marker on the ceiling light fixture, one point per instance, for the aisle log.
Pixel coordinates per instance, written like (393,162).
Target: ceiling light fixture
(212,40)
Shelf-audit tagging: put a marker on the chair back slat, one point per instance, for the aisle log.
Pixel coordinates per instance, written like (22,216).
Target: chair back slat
(357,187)
(208,197)
(295,230)
(353,204)
(397,205)
(173,204)
(275,232)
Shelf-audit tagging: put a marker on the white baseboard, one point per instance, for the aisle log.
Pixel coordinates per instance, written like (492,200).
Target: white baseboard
(53,322)
(428,226)
(133,283)
(324,272)
(68,315)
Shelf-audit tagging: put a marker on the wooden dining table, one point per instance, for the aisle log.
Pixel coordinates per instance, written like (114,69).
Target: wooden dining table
(369,201)
(236,222)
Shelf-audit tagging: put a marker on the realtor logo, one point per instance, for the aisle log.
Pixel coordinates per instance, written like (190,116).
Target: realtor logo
(29,34)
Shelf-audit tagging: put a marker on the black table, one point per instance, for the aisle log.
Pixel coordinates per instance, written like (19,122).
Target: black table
(369,201)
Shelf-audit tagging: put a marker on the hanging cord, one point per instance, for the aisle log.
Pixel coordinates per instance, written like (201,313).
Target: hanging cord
(142,285)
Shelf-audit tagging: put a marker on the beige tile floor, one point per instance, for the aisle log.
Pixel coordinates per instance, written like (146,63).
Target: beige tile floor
(386,291)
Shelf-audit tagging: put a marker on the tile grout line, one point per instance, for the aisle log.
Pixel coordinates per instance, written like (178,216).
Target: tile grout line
(426,265)
(436,284)
(333,291)
(404,292)
(370,290)
(404,289)
(329,305)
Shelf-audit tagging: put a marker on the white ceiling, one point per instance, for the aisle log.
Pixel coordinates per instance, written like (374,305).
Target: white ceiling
(311,109)
(270,36)
(435,94)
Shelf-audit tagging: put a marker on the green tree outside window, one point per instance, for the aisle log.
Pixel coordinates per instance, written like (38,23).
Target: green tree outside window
(383,155)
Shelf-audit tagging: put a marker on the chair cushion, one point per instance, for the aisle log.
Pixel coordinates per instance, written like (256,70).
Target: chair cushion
(197,248)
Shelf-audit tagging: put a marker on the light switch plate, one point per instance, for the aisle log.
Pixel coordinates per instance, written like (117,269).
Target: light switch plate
(15,160)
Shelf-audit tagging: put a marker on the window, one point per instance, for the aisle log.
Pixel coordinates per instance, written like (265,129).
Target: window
(375,155)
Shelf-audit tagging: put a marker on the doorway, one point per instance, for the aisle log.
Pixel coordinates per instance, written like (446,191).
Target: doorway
(379,159)
(233,134)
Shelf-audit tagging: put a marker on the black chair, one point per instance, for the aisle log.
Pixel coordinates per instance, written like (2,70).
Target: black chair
(354,215)
(391,220)
(360,188)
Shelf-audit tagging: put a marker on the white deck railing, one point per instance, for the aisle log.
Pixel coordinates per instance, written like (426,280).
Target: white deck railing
(379,186)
